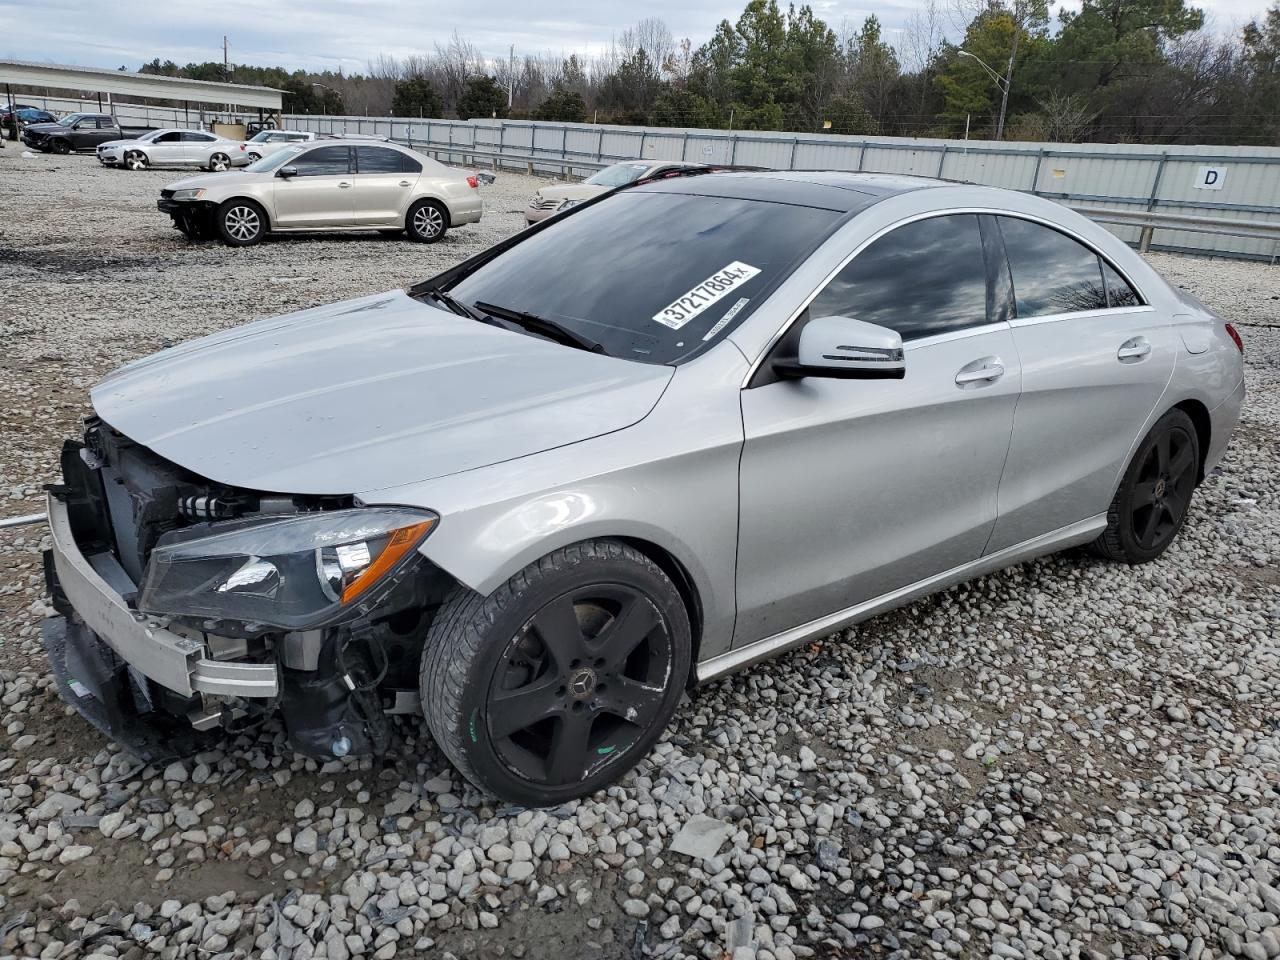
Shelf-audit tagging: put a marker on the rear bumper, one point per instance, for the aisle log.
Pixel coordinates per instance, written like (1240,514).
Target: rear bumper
(172,661)
(1222,422)
(465,211)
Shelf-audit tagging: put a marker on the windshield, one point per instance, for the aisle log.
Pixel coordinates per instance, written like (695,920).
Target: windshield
(148,137)
(261,137)
(278,159)
(651,276)
(69,120)
(618,175)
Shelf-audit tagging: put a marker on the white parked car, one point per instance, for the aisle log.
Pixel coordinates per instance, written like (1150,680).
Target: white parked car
(174,148)
(267,142)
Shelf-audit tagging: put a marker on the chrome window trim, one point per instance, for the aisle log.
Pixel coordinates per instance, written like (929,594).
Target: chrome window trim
(1079,314)
(964,333)
(782,331)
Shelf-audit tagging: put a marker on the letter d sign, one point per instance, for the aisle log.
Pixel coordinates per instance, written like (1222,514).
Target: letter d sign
(1210,178)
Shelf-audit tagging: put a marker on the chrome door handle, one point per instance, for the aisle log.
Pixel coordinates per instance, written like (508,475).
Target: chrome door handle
(343,186)
(1133,350)
(405,183)
(987,373)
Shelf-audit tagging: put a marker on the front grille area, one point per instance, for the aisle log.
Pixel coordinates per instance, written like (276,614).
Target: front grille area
(545,203)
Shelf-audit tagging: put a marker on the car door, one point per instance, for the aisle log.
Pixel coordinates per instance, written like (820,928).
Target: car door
(384,182)
(105,129)
(319,194)
(197,147)
(1096,360)
(851,489)
(167,148)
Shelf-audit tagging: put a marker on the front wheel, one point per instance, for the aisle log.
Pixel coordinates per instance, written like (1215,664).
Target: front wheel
(563,678)
(241,223)
(1151,504)
(427,221)
(135,160)
(61,146)
(254,157)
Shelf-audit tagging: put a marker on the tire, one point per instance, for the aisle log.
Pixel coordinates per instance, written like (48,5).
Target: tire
(136,160)
(60,145)
(1154,496)
(426,221)
(539,718)
(255,157)
(219,162)
(240,223)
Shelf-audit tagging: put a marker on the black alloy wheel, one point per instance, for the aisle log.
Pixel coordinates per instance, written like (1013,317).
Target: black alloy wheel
(1153,499)
(61,145)
(560,681)
(580,684)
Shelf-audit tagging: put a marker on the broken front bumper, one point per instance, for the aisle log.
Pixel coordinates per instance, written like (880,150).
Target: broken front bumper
(175,662)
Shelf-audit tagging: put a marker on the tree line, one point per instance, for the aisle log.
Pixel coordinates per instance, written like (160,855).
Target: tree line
(1112,71)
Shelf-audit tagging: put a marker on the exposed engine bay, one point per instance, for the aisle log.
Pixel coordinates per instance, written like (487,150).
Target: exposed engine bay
(143,526)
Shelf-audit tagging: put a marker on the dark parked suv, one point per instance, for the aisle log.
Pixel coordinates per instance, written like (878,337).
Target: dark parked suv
(79,131)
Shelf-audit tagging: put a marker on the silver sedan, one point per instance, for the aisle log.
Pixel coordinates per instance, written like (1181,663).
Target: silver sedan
(767,407)
(174,148)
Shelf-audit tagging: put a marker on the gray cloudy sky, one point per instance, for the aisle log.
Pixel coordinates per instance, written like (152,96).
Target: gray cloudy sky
(320,34)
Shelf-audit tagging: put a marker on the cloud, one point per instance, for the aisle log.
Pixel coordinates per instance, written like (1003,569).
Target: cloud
(347,34)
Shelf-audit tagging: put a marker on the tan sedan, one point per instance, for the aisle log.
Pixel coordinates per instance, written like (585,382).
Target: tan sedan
(326,187)
(562,196)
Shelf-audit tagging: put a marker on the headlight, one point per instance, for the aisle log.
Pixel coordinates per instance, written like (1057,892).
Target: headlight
(293,572)
(570,203)
(534,200)
(188,194)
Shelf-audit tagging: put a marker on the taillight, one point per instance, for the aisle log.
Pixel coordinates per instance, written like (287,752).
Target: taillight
(1235,337)
(473,183)
(242,148)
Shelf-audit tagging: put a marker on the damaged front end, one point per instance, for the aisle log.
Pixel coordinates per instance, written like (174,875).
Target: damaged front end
(184,605)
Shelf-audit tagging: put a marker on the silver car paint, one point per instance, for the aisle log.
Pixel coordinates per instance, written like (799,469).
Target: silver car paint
(359,395)
(672,477)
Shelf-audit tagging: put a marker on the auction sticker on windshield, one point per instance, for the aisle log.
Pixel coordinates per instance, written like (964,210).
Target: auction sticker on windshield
(705,295)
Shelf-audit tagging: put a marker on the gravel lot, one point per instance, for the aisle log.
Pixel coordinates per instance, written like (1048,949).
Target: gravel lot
(1066,759)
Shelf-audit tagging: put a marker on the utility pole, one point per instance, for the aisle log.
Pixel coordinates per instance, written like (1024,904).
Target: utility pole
(511,79)
(226,62)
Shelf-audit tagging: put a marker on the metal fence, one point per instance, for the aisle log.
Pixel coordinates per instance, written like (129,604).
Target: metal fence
(1230,183)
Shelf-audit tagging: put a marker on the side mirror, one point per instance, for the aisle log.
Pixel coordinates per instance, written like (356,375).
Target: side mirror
(286,172)
(845,348)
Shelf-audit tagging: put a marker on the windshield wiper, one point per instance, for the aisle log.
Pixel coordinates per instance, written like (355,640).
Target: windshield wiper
(457,306)
(548,328)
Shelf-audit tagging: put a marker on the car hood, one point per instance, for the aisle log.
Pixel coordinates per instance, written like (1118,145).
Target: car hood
(368,394)
(45,127)
(121,143)
(231,177)
(572,191)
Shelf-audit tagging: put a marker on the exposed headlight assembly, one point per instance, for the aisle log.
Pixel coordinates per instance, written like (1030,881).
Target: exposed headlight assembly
(195,194)
(570,203)
(294,572)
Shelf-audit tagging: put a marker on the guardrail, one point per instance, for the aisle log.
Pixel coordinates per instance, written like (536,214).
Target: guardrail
(499,158)
(1148,221)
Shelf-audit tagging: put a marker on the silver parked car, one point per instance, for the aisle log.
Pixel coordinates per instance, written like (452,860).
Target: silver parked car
(266,142)
(327,186)
(768,407)
(556,197)
(174,148)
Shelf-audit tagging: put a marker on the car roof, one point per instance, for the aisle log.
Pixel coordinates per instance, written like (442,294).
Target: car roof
(826,189)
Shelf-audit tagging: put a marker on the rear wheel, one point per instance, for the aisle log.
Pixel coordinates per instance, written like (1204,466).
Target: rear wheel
(219,162)
(427,221)
(561,680)
(135,160)
(1151,504)
(241,223)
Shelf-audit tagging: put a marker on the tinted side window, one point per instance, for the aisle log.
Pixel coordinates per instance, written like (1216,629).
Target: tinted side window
(323,162)
(168,138)
(191,137)
(925,278)
(1051,272)
(1119,293)
(377,160)
(409,165)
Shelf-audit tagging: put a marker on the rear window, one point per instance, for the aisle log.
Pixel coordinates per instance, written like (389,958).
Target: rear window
(652,276)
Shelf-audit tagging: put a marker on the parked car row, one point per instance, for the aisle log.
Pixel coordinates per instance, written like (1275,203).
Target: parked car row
(78,131)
